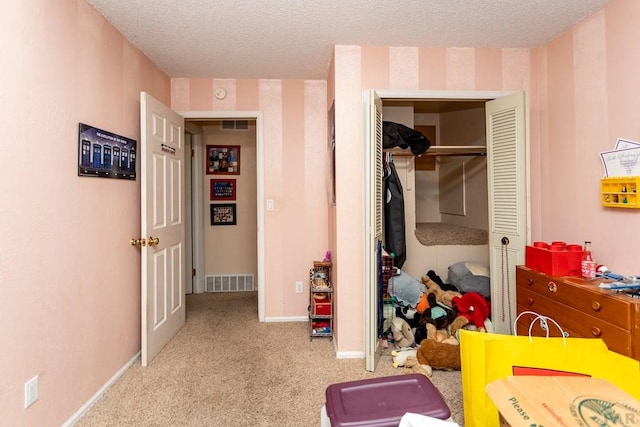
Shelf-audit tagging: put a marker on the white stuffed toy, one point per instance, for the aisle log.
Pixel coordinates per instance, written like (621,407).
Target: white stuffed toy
(400,356)
(402,334)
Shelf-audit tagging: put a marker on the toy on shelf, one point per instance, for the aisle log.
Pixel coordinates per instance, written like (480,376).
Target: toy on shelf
(321,299)
(620,192)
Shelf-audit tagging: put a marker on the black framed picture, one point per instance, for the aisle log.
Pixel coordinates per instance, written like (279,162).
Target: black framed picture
(105,154)
(223,214)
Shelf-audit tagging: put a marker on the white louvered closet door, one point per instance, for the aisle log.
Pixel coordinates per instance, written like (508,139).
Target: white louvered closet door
(373,222)
(508,189)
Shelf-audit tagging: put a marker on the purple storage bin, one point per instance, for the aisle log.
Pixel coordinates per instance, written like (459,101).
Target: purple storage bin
(381,402)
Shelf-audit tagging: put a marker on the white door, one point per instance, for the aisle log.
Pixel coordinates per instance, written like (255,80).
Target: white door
(373,222)
(162,177)
(508,181)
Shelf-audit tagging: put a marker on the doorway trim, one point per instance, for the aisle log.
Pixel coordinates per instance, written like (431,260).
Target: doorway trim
(435,95)
(199,220)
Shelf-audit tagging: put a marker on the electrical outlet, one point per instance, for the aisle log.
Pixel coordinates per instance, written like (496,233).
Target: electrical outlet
(299,288)
(30,391)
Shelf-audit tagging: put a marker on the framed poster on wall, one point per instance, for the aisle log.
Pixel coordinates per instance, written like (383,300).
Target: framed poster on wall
(223,214)
(104,154)
(223,160)
(223,189)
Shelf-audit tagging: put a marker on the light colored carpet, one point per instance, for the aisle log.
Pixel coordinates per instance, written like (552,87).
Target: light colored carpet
(437,233)
(224,368)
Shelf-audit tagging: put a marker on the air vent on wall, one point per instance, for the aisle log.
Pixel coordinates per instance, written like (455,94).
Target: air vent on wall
(228,283)
(235,125)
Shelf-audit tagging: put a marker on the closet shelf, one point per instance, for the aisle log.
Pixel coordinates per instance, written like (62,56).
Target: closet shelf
(443,150)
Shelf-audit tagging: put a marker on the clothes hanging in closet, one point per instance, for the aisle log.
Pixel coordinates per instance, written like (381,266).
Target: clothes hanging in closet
(394,225)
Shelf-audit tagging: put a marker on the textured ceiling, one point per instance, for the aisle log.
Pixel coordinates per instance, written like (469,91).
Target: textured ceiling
(287,39)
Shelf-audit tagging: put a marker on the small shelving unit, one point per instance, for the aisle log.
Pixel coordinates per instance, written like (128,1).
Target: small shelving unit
(320,300)
(620,192)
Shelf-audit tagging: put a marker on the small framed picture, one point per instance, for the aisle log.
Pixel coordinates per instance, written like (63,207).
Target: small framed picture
(223,160)
(223,214)
(223,189)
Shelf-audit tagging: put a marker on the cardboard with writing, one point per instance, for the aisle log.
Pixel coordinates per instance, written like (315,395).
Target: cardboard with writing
(525,401)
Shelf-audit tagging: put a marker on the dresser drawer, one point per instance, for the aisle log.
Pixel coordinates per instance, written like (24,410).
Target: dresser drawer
(584,297)
(575,322)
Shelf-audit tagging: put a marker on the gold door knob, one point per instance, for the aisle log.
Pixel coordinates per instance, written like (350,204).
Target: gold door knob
(138,242)
(153,241)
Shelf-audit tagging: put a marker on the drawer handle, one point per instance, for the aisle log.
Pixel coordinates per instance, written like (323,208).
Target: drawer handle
(552,287)
(595,331)
(530,301)
(596,306)
(529,281)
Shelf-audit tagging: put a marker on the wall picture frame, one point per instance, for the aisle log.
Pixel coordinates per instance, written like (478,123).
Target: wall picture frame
(223,160)
(104,154)
(223,214)
(223,189)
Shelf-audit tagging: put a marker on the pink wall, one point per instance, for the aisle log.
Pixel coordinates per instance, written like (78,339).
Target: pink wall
(407,68)
(586,97)
(295,174)
(71,318)
(583,91)
(66,313)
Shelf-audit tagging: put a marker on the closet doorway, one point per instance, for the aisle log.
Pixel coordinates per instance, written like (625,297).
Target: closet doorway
(506,185)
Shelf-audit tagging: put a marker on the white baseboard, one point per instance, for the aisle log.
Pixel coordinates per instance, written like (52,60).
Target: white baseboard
(287,319)
(350,355)
(84,408)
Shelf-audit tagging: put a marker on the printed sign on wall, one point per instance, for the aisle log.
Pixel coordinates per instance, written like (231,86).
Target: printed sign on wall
(105,154)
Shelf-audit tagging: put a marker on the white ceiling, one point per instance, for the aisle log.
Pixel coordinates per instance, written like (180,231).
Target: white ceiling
(294,39)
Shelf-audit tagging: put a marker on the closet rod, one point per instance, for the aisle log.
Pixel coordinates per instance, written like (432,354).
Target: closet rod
(443,150)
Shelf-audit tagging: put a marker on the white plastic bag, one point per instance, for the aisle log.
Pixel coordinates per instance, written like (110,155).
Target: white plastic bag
(418,420)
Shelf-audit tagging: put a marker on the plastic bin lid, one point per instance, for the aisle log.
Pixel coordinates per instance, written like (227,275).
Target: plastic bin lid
(381,402)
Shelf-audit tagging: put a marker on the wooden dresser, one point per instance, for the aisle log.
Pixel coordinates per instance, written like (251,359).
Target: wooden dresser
(581,308)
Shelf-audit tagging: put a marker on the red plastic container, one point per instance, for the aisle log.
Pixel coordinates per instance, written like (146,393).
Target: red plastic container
(554,260)
(381,402)
(322,308)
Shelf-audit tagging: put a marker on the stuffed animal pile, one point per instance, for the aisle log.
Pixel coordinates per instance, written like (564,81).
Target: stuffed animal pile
(428,340)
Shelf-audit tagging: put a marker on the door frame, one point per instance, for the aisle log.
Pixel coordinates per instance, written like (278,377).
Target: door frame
(430,95)
(198,217)
(193,138)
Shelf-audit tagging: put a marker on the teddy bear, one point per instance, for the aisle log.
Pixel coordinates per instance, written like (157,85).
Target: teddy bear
(474,308)
(402,334)
(412,366)
(443,297)
(400,356)
(441,335)
(439,355)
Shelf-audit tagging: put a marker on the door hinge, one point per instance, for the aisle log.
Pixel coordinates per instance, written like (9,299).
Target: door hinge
(193,272)
(193,153)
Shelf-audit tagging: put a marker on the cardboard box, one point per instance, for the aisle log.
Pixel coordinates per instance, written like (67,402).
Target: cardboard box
(525,401)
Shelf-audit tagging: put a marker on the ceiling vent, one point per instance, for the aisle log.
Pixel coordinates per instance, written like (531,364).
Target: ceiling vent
(235,125)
